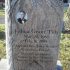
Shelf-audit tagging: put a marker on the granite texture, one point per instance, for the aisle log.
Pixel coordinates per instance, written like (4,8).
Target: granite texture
(34,45)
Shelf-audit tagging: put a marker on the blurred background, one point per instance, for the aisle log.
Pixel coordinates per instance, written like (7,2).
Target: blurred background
(64,55)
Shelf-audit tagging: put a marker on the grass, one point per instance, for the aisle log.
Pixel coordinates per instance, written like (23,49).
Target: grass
(2,13)
(2,36)
(2,27)
(2,41)
(64,55)
(2,31)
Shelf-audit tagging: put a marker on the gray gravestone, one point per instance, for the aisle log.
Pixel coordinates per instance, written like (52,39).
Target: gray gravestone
(33,45)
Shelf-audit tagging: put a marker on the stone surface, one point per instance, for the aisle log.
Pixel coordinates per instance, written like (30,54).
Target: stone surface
(3,64)
(34,45)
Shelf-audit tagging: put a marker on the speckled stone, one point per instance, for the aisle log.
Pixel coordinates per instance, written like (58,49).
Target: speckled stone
(34,45)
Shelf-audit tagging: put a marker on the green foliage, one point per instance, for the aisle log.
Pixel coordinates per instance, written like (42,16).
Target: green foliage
(67,19)
(2,31)
(2,41)
(64,55)
(2,27)
(2,49)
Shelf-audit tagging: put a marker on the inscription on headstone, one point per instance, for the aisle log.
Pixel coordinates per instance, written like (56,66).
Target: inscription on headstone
(35,44)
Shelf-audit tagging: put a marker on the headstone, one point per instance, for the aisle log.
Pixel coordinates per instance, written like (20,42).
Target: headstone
(33,45)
